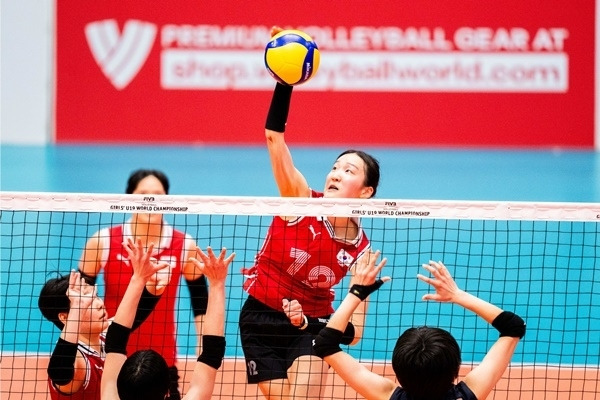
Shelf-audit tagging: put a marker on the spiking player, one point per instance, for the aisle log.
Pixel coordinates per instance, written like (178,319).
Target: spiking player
(301,259)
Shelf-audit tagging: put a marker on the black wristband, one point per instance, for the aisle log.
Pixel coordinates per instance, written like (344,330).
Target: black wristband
(327,342)
(145,307)
(279,108)
(314,326)
(117,337)
(363,291)
(198,295)
(509,324)
(213,350)
(61,367)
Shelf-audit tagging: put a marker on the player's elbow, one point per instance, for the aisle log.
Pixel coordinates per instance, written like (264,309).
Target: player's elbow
(273,137)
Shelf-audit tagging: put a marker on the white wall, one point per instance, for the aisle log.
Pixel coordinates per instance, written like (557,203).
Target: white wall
(26,71)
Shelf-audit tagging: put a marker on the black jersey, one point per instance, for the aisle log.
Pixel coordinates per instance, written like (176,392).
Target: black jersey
(458,392)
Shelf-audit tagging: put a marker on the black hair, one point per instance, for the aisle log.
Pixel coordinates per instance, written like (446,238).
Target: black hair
(426,362)
(54,300)
(371,168)
(143,376)
(138,175)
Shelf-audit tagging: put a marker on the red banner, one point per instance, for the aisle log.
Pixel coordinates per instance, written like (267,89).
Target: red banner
(439,73)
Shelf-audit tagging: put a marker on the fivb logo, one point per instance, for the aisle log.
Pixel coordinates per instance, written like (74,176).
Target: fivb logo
(120,56)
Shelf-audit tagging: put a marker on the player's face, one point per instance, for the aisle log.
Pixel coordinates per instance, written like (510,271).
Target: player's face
(149,185)
(98,316)
(347,178)
(94,318)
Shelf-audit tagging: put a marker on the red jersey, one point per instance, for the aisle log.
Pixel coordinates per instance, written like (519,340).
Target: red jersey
(158,331)
(91,387)
(302,260)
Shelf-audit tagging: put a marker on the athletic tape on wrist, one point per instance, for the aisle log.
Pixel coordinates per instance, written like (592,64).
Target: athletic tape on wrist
(363,291)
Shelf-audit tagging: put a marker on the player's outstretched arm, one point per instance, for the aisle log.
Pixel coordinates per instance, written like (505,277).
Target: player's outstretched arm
(118,331)
(482,379)
(367,383)
(289,179)
(213,340)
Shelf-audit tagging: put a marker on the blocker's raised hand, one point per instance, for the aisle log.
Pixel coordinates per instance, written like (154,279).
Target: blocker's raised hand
(143,265)
(367,268)
(213,267)
(443,283)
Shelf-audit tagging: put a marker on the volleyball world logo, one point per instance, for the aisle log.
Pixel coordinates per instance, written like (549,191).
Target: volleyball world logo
(120,55)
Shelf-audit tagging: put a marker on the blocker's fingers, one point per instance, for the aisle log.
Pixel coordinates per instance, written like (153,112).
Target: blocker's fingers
(430,281)
(429,268)
(381,264)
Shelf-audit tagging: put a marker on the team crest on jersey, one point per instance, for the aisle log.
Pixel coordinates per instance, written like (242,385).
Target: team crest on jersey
(344,258)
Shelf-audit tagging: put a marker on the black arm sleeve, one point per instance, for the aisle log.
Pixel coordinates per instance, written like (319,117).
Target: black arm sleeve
(509,324)
(117,337)
(61,367)
(145,306)
(199,295)
(279,108)
(316,324)
(327,342)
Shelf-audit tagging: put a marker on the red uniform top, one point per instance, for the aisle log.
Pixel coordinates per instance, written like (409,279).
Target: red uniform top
(302,260)
(158,331)
(91,386)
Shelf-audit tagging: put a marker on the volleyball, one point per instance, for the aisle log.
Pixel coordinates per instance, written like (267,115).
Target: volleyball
(292,57)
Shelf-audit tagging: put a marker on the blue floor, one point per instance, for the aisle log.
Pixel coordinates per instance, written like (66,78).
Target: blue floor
(442,174)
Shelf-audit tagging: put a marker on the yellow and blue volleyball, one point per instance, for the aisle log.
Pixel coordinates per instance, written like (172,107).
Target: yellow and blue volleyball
(292,57)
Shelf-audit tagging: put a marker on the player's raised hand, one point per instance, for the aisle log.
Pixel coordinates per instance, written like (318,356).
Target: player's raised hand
(364,280)
(144,266)
(81,295)
(443,283)
(367,268)
(213,267)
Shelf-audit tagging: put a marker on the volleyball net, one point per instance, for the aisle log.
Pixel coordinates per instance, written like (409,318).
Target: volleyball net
(540,260)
